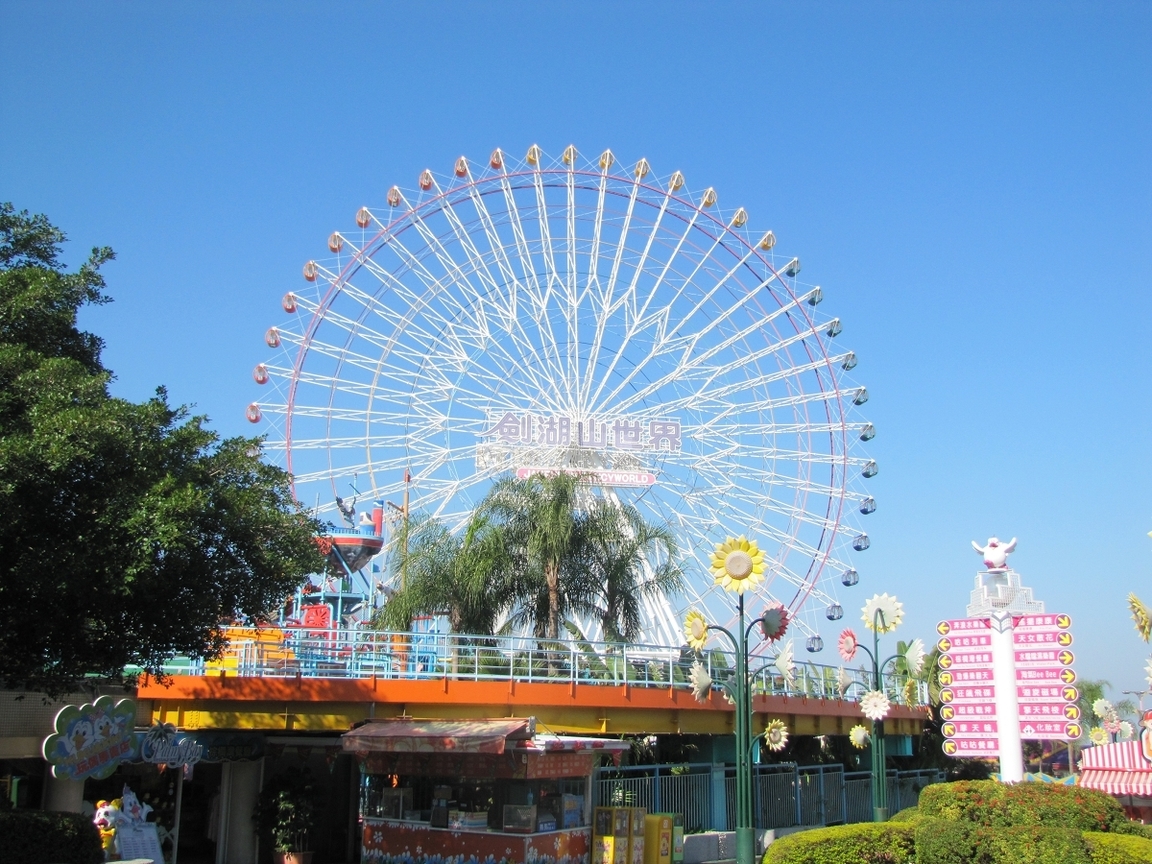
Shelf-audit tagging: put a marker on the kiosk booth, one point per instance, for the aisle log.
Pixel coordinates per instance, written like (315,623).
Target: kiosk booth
(1124,771)
(474,790)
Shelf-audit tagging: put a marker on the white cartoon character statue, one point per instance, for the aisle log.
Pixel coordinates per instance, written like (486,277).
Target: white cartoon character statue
(995,553)
(131,807)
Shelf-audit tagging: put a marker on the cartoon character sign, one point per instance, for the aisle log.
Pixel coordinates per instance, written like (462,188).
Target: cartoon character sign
(1146,736)
(91,740)
(995,552)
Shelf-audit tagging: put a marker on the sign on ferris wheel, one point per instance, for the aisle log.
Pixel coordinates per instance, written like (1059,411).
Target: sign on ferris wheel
(584,315)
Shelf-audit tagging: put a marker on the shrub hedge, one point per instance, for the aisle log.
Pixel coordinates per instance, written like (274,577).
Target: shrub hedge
(37,836)
(861,843)
(987,802)
(908,814)
(1118,848)
(941,841)
(1031,844)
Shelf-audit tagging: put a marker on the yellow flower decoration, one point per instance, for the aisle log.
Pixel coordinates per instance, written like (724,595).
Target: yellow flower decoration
(738,564)
(776,735)
(696,629)
(1141,616)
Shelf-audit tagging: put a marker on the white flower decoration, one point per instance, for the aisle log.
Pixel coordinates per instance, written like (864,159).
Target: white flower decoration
(891,613)
(1126,731)
(701,681)
(914,656)
(1103,708)
(875,705)
(784,662)
(776,735)
(843,681)
(1148,672)
(859,736)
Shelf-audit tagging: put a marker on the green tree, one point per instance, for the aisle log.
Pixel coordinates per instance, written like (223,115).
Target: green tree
(624,560)
(462,577)
(128,532)
(539,517)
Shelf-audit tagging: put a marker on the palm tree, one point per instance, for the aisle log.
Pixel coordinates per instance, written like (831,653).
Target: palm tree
(623,561)
(539,517)
(463,577)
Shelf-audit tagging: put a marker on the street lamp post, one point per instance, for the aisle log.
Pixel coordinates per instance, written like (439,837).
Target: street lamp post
(880,624)
(738,564)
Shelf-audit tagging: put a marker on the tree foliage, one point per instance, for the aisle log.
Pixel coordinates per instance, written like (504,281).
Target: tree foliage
(535,552)
(128,532)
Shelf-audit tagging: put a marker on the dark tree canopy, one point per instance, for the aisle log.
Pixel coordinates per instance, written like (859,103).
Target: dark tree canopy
(128,532)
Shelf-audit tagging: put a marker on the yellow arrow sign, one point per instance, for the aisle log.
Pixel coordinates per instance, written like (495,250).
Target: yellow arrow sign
(950,748)
(947,712)
(944,644)
(1070,694)
(946,696)
(945,661)
(1064,639)
(1067,676)
(1065,658)
(1063,621)
(1072,730)
(943,629)
(945,678)
(1071,712)
(949,729)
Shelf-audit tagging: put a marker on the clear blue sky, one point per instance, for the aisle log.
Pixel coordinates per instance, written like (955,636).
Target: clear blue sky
(970,182)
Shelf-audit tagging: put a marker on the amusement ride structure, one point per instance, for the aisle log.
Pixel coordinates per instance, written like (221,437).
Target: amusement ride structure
(574,315)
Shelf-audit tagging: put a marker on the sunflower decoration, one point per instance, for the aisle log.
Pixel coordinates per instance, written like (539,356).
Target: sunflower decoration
(875,705)
(1127,730)
(911,691)
(784,662)
(1103,709)
(701,681)
(914,656)
(774,622)
(1098,736)
(776,735)
(848,644)
(859,736)
(891,613)
(696,629)
(738,564)
(1141,616)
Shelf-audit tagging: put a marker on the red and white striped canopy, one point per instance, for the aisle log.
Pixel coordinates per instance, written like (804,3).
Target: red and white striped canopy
(1118,769)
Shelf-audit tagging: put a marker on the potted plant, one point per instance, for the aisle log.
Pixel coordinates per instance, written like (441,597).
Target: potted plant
(286,814)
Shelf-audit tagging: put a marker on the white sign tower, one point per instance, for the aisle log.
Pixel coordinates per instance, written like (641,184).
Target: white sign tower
(999,596)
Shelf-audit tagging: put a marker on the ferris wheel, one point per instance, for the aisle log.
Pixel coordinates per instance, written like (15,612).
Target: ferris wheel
(579,315)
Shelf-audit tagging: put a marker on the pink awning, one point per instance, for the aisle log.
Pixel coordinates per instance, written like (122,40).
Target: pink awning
(437,736)
(1117,781)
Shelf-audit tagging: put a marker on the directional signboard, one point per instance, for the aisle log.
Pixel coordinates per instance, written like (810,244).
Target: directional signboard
(967,692)
(1045,690)
(1041,657)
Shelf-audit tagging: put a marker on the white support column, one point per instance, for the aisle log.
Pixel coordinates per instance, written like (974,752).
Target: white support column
(1007,705)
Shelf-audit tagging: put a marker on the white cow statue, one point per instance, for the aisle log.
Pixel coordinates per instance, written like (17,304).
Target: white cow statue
(995,553)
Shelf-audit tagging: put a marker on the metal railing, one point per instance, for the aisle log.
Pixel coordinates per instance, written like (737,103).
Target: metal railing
(785,794)
(290,652)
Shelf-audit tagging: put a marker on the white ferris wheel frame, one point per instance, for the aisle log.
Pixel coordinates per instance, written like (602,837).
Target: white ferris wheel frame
(514,295)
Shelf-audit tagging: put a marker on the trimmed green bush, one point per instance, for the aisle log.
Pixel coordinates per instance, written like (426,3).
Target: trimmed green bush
(1134,828)
(941,841)
(1118,848)
(1031,844)
(987,802)
(862,843)
(36,837)
(908,814)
